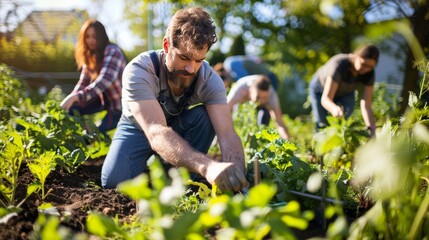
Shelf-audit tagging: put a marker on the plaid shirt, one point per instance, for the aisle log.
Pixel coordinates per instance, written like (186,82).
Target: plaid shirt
(108,83)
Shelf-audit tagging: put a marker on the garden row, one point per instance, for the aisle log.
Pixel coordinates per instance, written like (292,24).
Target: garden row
(342,182)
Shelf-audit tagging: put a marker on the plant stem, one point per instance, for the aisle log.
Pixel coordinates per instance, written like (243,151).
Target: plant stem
(422,85)
(419,217)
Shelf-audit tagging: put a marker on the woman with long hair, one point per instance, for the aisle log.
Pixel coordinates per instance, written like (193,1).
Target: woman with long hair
(333,86)
(99,87)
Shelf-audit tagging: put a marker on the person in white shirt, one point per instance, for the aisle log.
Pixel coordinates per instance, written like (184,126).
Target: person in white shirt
(258,89)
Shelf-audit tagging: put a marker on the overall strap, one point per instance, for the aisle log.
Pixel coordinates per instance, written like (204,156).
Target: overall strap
(155,61)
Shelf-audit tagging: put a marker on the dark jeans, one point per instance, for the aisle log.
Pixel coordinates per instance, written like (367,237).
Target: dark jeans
(130,148)
(320,113)
(109,121)
(263,116)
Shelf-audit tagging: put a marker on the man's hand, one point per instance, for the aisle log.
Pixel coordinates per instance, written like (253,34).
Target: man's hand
(226,175)
(69,101)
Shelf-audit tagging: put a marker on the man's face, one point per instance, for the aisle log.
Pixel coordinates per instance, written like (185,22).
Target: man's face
(260,97)
(183,63)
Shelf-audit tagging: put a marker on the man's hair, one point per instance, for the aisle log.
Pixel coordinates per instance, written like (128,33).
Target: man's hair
(193,27)
(369,51)
(262,83)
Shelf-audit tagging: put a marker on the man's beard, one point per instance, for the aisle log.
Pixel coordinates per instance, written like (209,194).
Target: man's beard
(180,79)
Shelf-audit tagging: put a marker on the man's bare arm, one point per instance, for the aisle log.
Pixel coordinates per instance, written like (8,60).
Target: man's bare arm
(229,141)
(177,151)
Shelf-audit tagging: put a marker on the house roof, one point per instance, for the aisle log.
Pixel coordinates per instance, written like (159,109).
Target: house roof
(48,26)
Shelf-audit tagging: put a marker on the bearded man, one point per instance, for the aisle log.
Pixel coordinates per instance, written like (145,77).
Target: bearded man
(174,104)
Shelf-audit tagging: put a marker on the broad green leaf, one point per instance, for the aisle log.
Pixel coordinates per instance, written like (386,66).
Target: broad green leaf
(50,229)
(181,226)
(260,195)
(292,207)
(295,222)
(157,174)
(338,228)
(45,205)
(136,188)
(207,219)
(103,226)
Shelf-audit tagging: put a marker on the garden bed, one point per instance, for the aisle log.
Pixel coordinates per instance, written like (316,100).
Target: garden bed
(73,195)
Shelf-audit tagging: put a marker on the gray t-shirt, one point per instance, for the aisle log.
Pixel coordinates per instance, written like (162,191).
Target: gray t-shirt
(140,82)
(338,67)
(240,92)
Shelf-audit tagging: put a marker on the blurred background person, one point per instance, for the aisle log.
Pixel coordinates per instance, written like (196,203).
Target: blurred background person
(100,83)
(332,88)
(258,89)
(224,74)
(242,65)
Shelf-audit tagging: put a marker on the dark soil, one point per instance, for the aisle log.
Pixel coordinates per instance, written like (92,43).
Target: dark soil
(76,193)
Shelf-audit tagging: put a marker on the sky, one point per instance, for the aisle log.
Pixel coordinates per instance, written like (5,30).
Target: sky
(110,15)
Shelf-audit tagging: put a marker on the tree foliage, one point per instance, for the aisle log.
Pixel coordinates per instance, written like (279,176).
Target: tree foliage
(37,56)
(296,37)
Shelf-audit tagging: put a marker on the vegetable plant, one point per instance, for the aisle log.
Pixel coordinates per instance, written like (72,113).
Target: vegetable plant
(41,167)
(13,151)
(238,216)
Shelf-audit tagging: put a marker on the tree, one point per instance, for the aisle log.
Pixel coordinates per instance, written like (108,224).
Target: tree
(296,37)
(416,12)
(314,34)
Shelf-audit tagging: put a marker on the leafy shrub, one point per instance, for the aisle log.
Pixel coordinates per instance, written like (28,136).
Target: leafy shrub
(238,216)
(11,89)
(38,56)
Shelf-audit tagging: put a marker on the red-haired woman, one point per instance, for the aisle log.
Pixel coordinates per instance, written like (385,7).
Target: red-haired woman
(100,83)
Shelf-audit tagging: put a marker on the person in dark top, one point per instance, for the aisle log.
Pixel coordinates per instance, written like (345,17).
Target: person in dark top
(332,88)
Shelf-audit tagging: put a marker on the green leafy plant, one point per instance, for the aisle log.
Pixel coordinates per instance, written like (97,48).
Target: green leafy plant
(230,216)
(41,167)
(396,166)
(337,143)
(49,227)
(246,127)
(70,160)
(11,89)
(251,217)
(279,165)
(13,152)
(55,130)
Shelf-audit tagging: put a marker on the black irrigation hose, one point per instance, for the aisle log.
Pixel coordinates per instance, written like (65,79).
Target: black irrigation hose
(316,197)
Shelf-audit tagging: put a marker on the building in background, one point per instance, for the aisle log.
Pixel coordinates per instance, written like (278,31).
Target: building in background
(38,69)
(50,26)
